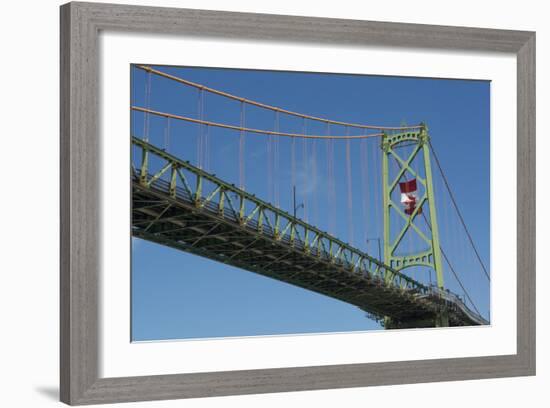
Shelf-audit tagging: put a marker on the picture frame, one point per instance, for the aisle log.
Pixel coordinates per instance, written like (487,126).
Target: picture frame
(80,153)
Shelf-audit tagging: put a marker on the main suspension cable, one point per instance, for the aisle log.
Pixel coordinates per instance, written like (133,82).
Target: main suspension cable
(269,107)
(458,212)
(452,269)
(251,130)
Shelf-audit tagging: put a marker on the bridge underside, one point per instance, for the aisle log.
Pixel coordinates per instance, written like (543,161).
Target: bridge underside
(180,224)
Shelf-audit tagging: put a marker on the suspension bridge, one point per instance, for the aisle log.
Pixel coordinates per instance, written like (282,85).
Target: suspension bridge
(179,202)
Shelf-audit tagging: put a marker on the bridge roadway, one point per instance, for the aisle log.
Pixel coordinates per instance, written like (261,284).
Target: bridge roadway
(229,225)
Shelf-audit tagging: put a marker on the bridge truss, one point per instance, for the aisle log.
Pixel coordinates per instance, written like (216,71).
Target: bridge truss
(177,204)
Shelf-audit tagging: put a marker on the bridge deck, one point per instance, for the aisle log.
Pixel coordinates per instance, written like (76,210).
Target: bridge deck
(178,217)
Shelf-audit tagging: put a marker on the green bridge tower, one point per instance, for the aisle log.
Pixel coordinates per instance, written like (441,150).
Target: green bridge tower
(415,166)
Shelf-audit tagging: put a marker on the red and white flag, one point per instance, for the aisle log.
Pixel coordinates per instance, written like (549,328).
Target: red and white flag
(409,196)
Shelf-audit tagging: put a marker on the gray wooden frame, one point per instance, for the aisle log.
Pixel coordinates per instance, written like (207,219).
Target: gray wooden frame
(80,234)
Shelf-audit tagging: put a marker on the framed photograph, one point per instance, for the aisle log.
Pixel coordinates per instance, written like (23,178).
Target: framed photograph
(261,203)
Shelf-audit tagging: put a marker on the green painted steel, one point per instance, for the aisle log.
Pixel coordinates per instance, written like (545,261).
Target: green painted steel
(262,214)
(182,206)
(430,258)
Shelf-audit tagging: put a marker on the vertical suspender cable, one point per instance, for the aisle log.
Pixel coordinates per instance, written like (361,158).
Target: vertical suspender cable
(199,128)
(350,189)
(167,134)
(206,131)
(364,187)
(314,180)
(306,172)
(241,148)
(276,161)
(207,149)
(327,184)
(146,117)
(331,183)
(269,168)
(293,162)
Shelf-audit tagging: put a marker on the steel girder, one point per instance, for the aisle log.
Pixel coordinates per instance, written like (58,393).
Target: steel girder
(184,207)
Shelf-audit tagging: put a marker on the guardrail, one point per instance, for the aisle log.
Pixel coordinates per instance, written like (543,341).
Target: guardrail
(454,299)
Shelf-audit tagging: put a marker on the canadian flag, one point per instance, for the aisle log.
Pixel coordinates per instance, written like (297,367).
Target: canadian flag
(409,196)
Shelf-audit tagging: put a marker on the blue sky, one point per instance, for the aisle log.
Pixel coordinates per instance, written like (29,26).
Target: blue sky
(177,295)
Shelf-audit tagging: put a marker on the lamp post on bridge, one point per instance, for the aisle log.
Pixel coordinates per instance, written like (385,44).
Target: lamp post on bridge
(379,246)
(294,206)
